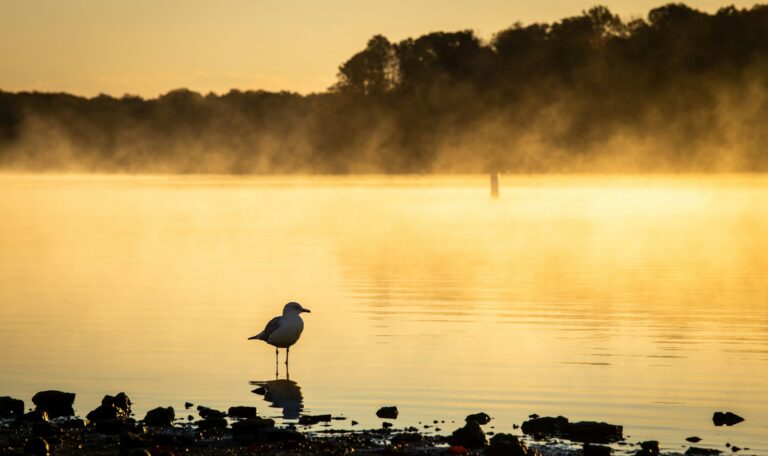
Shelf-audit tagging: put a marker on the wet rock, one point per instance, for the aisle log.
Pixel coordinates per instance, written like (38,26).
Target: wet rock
(387,412)
(479,418)
(113,409)
(242,412)
(407,438)
(308,420)
(648,448)
(354,423)
(188,405)
(533,416)
(55,403)
(129,440)
(694,451)
(37,446)
(73,423)
(260,391)
(160,416)
(251,427)
(469,436)
(120,400)
(386,425)
(282,435)
(735,449)
(45,429)
(694,439)
(596,450)
(545,426)
(594,432)
(10,407)
(727,419)
(207,413)
(212,424)
(35,416)
(507,445)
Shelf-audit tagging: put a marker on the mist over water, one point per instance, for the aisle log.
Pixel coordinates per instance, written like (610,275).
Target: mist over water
(678,91)
(632,300)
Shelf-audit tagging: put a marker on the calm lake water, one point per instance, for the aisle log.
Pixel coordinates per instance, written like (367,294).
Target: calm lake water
(640,301)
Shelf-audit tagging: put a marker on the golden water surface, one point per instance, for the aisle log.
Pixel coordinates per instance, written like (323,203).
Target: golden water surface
(640,301)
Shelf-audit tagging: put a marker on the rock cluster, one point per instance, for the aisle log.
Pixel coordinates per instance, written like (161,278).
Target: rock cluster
(580,431)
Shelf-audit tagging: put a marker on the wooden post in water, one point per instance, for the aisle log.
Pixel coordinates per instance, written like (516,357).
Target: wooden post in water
(494,185)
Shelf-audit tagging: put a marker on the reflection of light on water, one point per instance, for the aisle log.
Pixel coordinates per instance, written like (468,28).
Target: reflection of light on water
(617,299)
(283,394)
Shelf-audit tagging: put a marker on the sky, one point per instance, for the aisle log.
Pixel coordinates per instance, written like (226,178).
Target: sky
(149,47)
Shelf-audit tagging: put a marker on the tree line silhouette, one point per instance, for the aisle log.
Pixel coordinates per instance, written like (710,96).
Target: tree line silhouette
(680,90)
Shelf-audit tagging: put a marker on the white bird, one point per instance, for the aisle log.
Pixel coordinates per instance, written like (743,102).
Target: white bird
(282,332)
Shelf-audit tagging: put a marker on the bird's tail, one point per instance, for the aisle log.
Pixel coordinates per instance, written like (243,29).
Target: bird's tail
(259,336)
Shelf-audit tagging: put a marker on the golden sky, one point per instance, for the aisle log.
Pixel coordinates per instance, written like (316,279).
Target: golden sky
(148,47)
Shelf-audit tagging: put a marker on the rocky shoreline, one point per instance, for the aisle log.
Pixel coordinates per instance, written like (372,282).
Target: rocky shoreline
(111,428)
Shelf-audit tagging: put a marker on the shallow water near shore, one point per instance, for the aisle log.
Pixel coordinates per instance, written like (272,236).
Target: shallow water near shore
(640,301)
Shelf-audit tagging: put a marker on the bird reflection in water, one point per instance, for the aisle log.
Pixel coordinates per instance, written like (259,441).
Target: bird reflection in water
(284,394)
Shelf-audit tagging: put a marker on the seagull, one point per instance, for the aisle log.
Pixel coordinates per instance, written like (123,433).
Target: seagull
(282,332)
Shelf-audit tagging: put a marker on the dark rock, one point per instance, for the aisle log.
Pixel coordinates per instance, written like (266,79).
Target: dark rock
(188,405)
(547,426)
(407,438)
(596,450)
(260,391)
(479,418)
(353,423)
(282,435)
(251,427)
(735,449)
(648,448)
(73,423)
(694,439)
(308,420)
(386,425)
(164,440)
(507,445)
(10,407)
(242,412)
(35,416)
(209,413)
(594,432)
(469,436)
(36,446)
(727,418)
(55,403)
(116,407)
(387,412)
(694,451)
(45,429)
(160,416)
(212,423)
(130,440)
(340,418)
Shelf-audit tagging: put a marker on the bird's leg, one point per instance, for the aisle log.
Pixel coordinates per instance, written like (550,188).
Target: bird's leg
(277,356)
(287,350)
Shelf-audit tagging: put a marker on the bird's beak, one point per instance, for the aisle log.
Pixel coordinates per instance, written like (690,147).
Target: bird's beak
(306,310)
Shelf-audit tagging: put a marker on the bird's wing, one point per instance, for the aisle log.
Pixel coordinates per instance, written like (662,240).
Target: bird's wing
(271,327)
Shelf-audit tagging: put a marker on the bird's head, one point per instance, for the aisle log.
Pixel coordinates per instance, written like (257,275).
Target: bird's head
(293,308)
